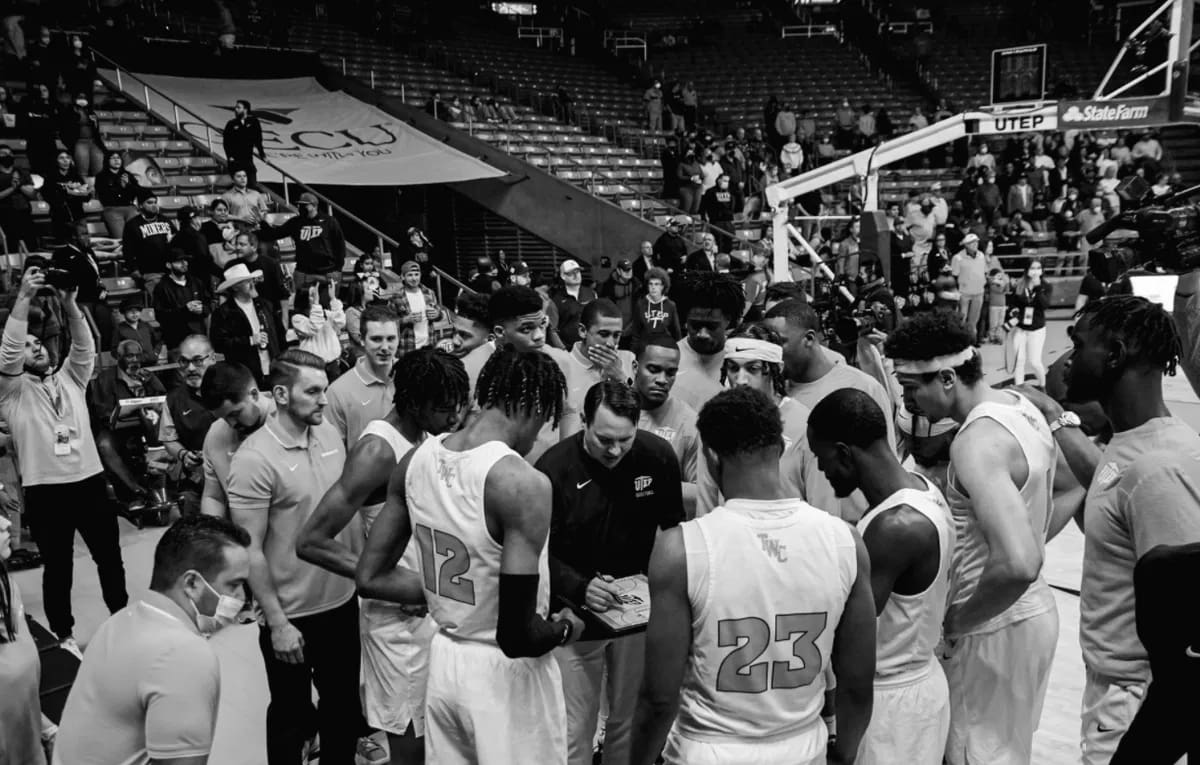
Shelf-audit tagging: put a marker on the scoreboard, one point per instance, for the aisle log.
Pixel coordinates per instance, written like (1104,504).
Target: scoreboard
(1018,75)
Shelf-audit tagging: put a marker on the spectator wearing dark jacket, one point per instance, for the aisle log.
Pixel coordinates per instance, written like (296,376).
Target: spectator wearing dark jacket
(181,302)
(145,242)
(670,249)
(569,296)
(194,245)
(243,138)
(241,327)
(690,183)
(65,191)
(131,326)
(719,205)
(79,129)
(320,244)
(272,286)
(622,288)
(77,258)
(118,191)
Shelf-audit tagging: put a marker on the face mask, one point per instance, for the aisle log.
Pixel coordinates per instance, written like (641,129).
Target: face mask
(6,161)
(81,102)
(228,607)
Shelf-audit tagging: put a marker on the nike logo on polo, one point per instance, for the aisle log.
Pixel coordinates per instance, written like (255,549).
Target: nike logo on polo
(326,454)
(292,468)
(1191,653)
(186,412)
(367,402)
(1102,729)
(581,485)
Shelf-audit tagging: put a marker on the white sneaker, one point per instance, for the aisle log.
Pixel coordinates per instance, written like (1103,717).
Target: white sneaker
(371,753)
(70,646)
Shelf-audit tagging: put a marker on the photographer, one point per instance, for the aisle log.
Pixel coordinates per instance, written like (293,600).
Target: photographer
(60,465)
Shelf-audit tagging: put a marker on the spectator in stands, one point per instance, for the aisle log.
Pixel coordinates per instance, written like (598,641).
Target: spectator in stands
(366,289)
(785,124)
(78,68)
(241,327)
(718,206)
(486,279)
(653,98)
(644,262)
(16,213)
(806,128)
(883,124)
(654,313)
(125,705)
(705,258)
(319,319)
(247,205)
(26,736)
(622,288)
(867,126)
(65,191)
(997,295)
(320,244)
(791,157)
(181,302)
(733,164)
(507,113)
(988,199)
(846,123)
(983,159)
(9,114)
(145,241)
(38,128)
(128,379)
(79,128)
(969,266)
(485,111)
(189,239)
(185,421)
(691,105)
(437,108)
(847,250)
(1147,153)
(243,138)
(272,289)
(77,258)
(670,249)
(691,180)
(418,309)
(570,295)
(710,170)
(60,465)
(1020,197)
(118,190)
(826,149)
(918,120)
(219,234)
(131,326)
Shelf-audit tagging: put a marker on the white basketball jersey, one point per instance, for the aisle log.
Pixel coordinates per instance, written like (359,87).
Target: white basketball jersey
(1027,425)
(459,559)
(908,630)
(369,512)
(767,582)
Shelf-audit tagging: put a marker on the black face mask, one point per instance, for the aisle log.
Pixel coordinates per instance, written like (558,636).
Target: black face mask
(6,162)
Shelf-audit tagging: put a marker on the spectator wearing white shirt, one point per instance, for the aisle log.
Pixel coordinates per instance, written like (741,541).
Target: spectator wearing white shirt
(319,319)
(918,119)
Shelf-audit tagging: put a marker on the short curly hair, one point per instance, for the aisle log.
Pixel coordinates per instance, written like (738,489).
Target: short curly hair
(931,334)
(740,421)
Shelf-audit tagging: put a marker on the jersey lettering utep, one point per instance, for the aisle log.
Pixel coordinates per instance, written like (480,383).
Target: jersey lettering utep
(767,582)
(656,317)
(308,233)
(908,630)
(156,228)
(460,562)
(1027,425)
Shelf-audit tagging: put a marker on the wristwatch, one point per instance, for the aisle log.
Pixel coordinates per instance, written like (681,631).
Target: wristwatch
(567,633)
(1065,420)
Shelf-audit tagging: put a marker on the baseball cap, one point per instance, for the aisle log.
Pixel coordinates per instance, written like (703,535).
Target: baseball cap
(625,265)
(175,254)
(569,265)
(308,199)
(409,265)
(969,238)
(520,268)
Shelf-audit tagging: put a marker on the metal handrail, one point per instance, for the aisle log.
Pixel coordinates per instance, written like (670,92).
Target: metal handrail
(178,109)
(810,30)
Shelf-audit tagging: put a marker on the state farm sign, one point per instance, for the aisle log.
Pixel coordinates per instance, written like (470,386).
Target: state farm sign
(1131,112)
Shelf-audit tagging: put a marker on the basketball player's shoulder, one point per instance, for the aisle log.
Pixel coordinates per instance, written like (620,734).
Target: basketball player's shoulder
(561,357)
(900,527)
(513,480)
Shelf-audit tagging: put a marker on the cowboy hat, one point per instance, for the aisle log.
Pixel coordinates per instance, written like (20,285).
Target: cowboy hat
(237,273)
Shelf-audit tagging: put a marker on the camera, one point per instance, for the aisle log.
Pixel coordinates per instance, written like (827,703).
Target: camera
(60,278)
(1168,227)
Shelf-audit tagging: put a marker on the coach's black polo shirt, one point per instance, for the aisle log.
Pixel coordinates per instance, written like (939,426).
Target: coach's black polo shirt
(604,521)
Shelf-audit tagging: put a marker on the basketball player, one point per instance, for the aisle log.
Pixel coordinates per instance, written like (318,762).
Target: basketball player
(1001,625)
(1143,491)
(710,304)
(909,536)
(742,659)
(518,318)
(480,515)
(431,393)
(670,419)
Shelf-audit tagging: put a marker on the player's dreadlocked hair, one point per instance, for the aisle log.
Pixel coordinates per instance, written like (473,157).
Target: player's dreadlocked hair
(522,382)
(761,332)
(709,291)
(430,376)
(931,334)
(1143,326)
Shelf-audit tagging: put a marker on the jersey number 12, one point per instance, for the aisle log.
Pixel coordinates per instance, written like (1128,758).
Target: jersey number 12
(447,580)
(741,672)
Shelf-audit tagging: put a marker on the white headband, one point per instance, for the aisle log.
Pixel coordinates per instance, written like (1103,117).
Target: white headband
(749,349)
(936,364)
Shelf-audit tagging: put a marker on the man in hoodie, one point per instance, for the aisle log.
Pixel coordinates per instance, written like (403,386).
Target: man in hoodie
(622,288)
(670,249)
(181,302)
(145,241)
(320,244)
(719,205)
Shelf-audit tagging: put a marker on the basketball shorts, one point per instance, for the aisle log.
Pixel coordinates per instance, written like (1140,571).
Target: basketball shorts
(997,685)
(1109,707)
(395,666)
(909,721)
(804,748)
(483,707)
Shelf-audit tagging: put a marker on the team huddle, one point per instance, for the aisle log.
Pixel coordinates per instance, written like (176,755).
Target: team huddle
(820,600)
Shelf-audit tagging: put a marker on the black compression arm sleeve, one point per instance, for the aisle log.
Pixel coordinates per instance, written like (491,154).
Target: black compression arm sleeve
(519,629)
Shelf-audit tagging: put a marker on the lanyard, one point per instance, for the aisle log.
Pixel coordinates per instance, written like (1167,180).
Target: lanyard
(55,397)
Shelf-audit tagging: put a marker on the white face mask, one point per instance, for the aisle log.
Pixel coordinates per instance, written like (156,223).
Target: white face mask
(228,607)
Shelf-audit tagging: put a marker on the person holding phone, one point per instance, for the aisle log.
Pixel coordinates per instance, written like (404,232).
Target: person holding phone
(1027,320)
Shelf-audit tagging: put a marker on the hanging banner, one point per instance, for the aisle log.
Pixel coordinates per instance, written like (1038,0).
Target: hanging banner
(316,135)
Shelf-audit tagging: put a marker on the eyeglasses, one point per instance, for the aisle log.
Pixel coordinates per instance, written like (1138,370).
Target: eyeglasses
(197,361)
